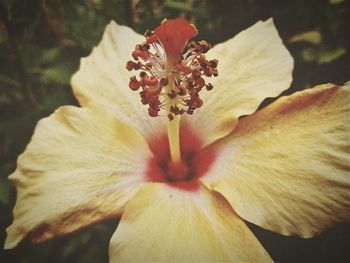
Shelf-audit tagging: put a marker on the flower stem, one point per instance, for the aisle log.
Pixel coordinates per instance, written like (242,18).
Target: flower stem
(174,138)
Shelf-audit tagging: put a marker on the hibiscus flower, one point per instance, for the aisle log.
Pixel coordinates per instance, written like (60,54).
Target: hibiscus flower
(182,182)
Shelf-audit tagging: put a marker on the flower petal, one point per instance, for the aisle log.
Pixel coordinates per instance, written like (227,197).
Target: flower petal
(286,167)
(103,80)
(163,224)
(80,167)
(252,66)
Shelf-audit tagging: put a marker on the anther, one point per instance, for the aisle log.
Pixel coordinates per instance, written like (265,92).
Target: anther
(204,46)
(149,33)
(138,53)
(164,81)
(196,73)
(170,116)
(209,86)
(153,112)
(172,94)
(130,65)
(198,102)
(200,82)
(150,81)
(134,84)
(213,63)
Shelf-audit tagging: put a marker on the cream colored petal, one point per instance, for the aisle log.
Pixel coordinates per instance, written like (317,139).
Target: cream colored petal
(103,80)
(80,167)
(163,224)
(252,66)
(287,167)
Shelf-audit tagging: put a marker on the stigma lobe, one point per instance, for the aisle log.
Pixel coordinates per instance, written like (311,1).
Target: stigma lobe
(174,35)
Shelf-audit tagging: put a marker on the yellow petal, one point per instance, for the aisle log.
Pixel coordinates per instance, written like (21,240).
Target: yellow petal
(252,66)
(81,166)
(286,167)
(103,80)
(163,224)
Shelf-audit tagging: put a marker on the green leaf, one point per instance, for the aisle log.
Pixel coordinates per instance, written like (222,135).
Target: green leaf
(327,56)
(84,23)
(312,37)
(335,2)
(176,5)
(60,73)
(309,54)
(322,55)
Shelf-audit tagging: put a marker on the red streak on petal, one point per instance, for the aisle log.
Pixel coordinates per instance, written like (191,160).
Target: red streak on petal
(184,175)
(174,34)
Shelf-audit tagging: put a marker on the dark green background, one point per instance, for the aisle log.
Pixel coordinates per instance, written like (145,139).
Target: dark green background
(41,43)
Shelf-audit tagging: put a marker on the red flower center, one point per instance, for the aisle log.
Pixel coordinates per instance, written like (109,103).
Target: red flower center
(185,175)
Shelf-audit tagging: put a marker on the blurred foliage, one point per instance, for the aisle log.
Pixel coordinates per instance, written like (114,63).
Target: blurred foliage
(42,41)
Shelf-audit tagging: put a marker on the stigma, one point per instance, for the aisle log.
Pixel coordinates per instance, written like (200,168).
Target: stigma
(172,69)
